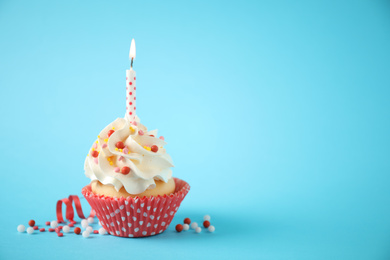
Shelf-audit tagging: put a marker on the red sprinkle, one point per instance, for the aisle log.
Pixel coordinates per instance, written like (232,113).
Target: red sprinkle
(51,229)
(31,223)
(140,132)
(179,227)
(151,135)
(47,223)
(96,231)
(110,132)
(162,138)
(95,154)
(206,224)
(60,234)
(35,227)
(77,230)
(73,222)
(120,145)
(60,227)
(154,148)
(187,221)
(125,170)
(57,230)
(42,230)
(71,225)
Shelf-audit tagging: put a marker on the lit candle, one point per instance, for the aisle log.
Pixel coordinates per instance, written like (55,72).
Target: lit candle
(130,86)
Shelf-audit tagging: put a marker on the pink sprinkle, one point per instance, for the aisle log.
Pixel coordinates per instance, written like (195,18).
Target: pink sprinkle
(117,169)
(95,146)
(104,145)
(140,132)
(162,138)
(95,160)
(96,231)
(125,151)
(135,123)
(47,223)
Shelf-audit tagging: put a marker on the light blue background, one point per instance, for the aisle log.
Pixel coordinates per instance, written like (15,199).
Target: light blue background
(276,113)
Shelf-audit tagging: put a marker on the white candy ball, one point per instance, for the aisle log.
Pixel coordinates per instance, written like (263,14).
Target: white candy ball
(89,229)
(54,224)
(21,228)
(102,231)
(211,229)
(85,234)
(186,227)
(207,217)
(84,223)
(194,225)
(198,229)
(90,220)
(66,229)
(30,230)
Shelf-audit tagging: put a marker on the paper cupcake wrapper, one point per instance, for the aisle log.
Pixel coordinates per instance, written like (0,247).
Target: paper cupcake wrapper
(136,217)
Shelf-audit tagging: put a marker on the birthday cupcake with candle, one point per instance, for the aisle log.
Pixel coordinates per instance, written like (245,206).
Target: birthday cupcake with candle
(132,189)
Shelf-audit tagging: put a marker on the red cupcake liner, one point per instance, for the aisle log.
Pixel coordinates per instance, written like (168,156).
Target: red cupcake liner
(136,217)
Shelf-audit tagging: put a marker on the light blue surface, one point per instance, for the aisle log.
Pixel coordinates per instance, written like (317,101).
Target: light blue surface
(276,113)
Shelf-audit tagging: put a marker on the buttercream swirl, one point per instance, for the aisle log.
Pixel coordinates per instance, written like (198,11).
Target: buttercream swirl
(145,165)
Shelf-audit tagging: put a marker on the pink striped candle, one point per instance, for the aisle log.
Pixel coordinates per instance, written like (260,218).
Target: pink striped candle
(130,87)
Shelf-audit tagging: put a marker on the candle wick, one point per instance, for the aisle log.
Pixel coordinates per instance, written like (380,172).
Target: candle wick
(131,65)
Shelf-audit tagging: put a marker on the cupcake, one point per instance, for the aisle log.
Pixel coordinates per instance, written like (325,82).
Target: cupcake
(132,189)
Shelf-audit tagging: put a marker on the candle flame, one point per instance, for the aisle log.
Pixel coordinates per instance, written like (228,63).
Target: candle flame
(132,50)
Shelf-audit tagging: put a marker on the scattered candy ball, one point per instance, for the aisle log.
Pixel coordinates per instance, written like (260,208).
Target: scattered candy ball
(110,132)
(206,224)
(47,223)
(35,227)
(51,229)
(125,170)
(30,230)
(187,221)
(54,224)
(89,229)
(186,227)
(77,230)
(84,223)
(31,223)
(90,220)
(85,234)
(21,228)
(154,148)
(211,229)
(179,228)
(60,234)
(66,229)
(194,225)
(120,145)
(96,232)
(206,217)
(102,231)
(95,154)
(42,230)
(198,229)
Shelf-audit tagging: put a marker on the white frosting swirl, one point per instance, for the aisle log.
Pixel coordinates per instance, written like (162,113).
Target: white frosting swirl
(145,166)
